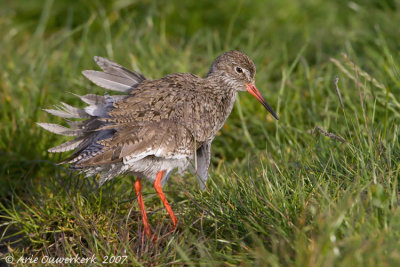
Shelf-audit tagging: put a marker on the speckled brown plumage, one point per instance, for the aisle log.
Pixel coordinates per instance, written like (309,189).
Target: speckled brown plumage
(174,117)
(158,125)
(186,107)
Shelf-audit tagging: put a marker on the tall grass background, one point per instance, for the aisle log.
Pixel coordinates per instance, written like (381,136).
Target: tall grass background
(319,187)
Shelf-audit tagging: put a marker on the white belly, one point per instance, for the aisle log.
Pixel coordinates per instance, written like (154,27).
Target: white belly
(148,167)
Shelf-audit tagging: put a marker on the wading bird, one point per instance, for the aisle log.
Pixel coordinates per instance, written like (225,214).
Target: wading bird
(157,126)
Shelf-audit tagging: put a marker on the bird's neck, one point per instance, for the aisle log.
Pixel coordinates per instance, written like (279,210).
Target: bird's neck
(227,85)
(224,94)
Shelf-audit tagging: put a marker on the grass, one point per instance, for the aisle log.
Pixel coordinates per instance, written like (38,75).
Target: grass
(280,193)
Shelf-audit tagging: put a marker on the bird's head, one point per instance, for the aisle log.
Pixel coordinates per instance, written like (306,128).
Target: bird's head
(238,71)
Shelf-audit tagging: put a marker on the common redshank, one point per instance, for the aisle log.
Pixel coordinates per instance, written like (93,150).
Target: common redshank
(157,126)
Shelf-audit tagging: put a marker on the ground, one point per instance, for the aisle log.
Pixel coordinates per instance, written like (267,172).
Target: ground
(319,187)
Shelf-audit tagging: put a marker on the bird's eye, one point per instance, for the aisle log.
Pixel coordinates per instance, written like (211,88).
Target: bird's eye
(239,70)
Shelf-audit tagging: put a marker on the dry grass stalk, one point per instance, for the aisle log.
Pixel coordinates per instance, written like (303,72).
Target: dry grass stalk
(338,91)
(331,135)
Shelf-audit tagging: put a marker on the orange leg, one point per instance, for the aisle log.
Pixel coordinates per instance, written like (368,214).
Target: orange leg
(138,189)
(157,187)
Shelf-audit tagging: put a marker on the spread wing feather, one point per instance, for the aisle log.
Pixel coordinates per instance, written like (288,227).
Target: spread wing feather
(114,76)
(88,131)
(115,69)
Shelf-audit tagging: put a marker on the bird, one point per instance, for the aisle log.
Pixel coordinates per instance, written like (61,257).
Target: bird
(155,126)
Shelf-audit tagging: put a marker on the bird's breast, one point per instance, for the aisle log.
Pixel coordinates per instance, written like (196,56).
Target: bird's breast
(207,117)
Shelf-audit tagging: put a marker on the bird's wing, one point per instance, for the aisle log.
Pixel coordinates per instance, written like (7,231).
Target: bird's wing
(165,139)
(203,156)
(114,76)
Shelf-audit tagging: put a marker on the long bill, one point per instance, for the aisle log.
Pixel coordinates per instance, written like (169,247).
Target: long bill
(252,89)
